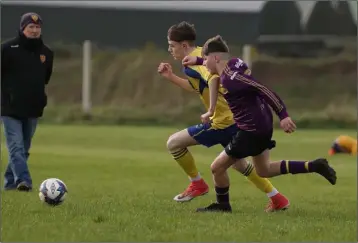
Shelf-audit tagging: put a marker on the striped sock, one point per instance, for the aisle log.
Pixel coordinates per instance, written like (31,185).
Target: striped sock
(295,167)
(261,183)
(186,161)
(222,194)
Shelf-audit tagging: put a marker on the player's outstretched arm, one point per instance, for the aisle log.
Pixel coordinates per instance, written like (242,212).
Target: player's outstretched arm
(165,70)
(214,84)
(181,82)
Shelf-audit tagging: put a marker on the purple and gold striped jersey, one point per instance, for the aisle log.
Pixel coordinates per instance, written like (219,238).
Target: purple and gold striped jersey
(249,100)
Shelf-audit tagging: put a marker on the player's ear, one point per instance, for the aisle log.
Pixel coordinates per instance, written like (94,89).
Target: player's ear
(217,58)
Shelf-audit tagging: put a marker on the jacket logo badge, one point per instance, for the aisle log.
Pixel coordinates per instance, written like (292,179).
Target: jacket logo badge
(42,58)
(34,18)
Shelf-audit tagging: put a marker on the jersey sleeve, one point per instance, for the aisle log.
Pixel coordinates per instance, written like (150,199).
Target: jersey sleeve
(199,61)
(3,59)
(49,68)
(199,77)
(4,62)
(190,76)
(243,81)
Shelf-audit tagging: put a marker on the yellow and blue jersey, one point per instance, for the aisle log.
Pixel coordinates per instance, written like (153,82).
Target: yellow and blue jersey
(199,78)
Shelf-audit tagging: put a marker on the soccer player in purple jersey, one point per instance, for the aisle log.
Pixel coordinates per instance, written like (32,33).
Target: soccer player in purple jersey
(250,102)
(218,124)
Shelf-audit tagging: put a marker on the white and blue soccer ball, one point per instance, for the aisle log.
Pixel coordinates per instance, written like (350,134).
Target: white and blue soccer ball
(53,191)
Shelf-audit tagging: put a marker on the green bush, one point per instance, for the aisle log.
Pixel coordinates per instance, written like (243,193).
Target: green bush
(126,88)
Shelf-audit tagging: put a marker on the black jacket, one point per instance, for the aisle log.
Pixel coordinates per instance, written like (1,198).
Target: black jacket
(26,68)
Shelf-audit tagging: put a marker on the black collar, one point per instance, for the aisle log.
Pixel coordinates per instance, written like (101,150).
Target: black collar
(30,44)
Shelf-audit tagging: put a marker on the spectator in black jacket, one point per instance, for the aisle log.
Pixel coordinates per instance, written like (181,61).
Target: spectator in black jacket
(26,68)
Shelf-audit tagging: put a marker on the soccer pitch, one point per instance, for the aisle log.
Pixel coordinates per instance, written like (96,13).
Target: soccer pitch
(121,182)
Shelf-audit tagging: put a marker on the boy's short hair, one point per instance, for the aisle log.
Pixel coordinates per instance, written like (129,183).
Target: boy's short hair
(183,31)
(215,44)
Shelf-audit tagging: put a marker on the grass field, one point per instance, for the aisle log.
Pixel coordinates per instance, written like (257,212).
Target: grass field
(121,182)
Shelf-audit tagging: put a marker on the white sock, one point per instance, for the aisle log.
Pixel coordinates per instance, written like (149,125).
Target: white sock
(197,178)
(274,192)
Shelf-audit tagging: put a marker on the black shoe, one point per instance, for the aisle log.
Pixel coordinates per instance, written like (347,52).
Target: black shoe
(24,187)
(216,207)
(321,167)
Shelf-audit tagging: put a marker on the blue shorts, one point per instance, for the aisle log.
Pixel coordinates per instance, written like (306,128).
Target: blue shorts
(208,136)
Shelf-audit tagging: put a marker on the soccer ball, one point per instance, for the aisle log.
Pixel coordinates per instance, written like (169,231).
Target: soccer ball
(53,191)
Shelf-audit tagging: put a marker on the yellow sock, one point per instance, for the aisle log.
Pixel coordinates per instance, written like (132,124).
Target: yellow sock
(261,183)
(186,161)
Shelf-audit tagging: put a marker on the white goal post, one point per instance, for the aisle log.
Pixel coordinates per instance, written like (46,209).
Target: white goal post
(248,55)
(86,78)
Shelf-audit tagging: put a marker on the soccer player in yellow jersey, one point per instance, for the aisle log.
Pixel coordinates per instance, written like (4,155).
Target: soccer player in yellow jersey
(344,144)
(217,127)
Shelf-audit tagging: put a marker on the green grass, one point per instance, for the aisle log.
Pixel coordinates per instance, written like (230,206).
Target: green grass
(121,182)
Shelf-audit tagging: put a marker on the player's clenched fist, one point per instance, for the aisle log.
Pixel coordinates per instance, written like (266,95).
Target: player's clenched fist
(165,69)
(189,60)
(161,67)
(205,118)
(288,125)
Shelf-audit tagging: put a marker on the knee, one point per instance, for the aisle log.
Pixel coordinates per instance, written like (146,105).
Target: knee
(16,152)
(173,143)
(216,169)
(15,146)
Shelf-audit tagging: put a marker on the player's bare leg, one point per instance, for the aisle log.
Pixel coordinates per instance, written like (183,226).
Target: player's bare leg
(222,183)
(177,145)
(266,169)
(219,171)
